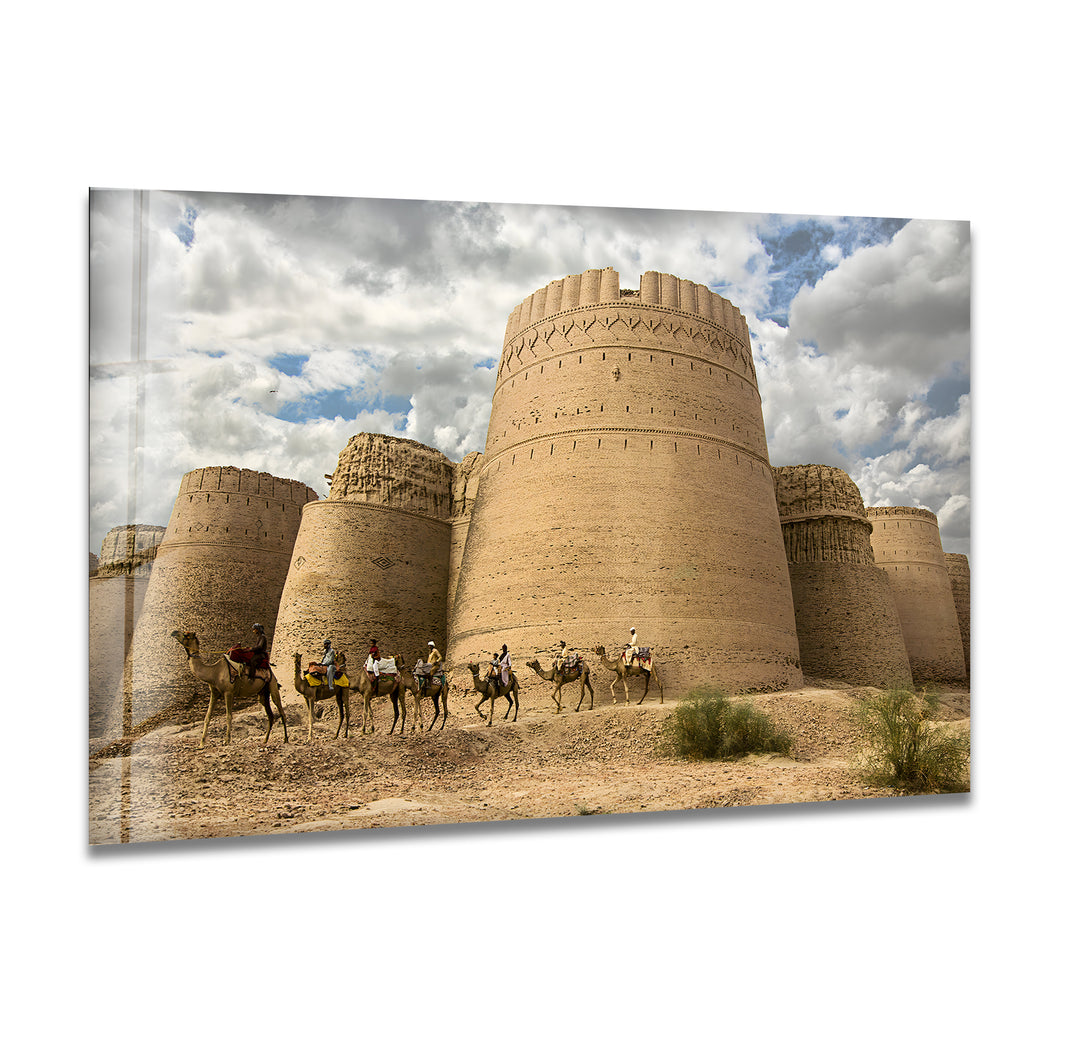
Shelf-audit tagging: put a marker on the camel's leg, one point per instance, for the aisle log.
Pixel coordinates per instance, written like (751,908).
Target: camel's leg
(276,696)
(228,715)
(626,691)
(264,698)
(209,711)
(340,714)
(345,698)
(646,692)
(613,699)
(516,701)
(555,698)
(443,725)
(310,699)
(477,708)
(585,684)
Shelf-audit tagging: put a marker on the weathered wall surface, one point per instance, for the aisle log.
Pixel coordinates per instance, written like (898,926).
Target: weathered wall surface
(465,484)
(372,560)
(129,549)
(626,482)
(220,567)
(848,624)
(907,545)
(960,580)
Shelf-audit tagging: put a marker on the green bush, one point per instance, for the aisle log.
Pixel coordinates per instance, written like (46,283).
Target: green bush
(906,750)
(710,725)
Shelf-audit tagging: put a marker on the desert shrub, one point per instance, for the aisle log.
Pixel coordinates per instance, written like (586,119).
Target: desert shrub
(906,750)
(711,725)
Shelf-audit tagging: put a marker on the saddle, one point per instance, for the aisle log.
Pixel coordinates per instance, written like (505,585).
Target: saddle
(428,673)
(570,663)
(643,656)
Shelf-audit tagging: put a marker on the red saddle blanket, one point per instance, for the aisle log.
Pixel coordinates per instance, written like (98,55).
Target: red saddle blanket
(316,669)
(239,654)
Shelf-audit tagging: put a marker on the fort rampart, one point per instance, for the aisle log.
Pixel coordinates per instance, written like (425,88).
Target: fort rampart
(907,546)
(848,625)
(626,482)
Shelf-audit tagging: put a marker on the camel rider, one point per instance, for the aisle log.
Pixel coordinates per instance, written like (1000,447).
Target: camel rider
(260,659)
(503,662)
(560,655)
(632,648)
(373,655)
(434,655)
(328,661)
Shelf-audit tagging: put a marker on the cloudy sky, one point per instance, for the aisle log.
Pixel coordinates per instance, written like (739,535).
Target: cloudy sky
(270,329)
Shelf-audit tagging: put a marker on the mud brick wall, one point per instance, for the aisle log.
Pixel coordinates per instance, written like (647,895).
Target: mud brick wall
(626,482)
(848,624)
(465,483)
(220,567)
(907,546)
(372,560)
(960,579)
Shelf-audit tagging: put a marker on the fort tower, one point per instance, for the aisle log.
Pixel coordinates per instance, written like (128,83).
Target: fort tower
(907,545)
(626,482)
(219,568)
(848,624)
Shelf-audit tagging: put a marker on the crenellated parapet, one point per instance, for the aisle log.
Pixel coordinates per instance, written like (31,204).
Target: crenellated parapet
(680,318)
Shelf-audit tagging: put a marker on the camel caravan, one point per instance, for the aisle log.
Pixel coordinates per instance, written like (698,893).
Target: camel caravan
(242,673)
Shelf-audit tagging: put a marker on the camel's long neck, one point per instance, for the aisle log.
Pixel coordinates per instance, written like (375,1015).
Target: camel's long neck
(199,669)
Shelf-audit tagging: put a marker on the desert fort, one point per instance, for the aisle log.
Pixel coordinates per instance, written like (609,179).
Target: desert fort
(625,482)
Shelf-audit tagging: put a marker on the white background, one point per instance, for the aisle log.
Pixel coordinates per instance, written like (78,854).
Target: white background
(950,918)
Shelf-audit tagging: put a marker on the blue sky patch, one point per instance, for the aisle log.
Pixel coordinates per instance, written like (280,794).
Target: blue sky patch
(797,254)
(290,365)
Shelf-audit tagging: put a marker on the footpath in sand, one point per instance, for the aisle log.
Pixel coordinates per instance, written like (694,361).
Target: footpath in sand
(603,761)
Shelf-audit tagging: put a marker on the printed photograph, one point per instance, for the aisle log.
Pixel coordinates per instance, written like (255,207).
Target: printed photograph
(407,513)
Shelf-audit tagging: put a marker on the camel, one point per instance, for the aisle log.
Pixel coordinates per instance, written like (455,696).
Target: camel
(622,672)
(312,693)
(490,689)
(225,678)
(389,684)
(411,682)
(562,676)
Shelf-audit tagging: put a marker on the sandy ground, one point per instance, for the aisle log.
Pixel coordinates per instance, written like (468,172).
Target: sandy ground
(599,761)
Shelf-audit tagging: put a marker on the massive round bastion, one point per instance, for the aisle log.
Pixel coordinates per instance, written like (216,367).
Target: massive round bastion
(626,482)
(848,625)
(220,567)
(907,545)
(375,559)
